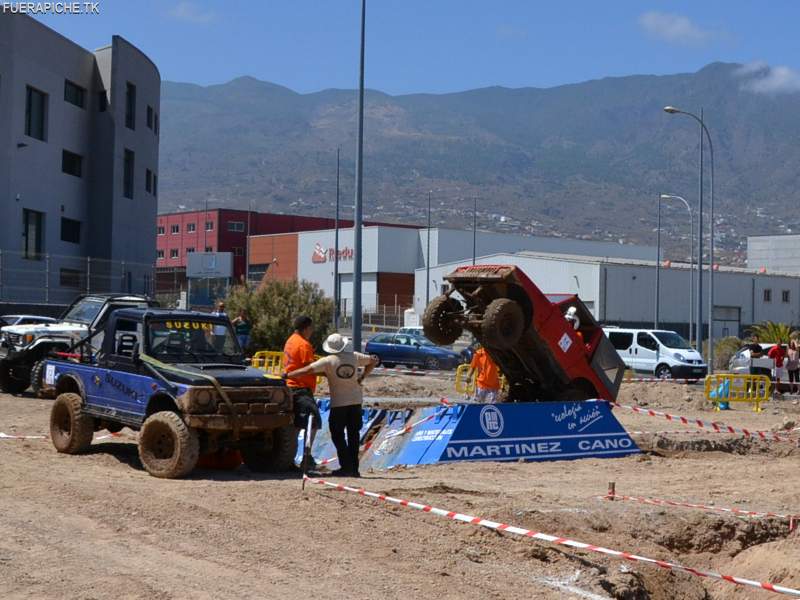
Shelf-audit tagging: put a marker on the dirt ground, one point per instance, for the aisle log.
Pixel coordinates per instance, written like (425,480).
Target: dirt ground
(97,526)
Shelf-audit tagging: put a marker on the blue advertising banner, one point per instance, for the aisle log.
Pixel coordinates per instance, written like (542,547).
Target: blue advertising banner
(538,431)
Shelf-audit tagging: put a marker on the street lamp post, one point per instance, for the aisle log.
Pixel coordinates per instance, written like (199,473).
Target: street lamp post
(710,361)
(691,256)
(658,263)
(428,257)
(336,299)
(357,249)
(474,229)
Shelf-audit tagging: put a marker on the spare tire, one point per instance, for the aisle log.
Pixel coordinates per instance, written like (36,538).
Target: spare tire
(440,322)
(503,324)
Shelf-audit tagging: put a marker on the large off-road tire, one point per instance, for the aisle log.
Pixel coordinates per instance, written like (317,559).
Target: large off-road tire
(272,453)
(168,448)
(71,429)
(37,375)
(12,381)
(503,324)
(440,320)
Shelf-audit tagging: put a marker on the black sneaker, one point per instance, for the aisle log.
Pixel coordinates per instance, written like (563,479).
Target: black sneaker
(340,473)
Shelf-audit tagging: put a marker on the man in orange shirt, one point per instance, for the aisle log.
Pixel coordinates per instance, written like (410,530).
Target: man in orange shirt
(298,353)
(487,385)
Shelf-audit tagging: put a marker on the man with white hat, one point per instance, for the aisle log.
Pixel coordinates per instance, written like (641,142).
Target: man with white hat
(341,369)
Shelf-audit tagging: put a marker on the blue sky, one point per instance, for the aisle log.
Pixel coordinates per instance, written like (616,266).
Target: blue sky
(441,45)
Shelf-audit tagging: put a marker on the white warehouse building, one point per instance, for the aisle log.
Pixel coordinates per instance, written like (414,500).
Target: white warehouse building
(622,291)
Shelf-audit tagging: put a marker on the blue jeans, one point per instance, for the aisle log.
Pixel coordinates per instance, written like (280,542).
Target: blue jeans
(244,340)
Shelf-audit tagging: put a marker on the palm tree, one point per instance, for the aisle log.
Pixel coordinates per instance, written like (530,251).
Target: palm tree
(769,331)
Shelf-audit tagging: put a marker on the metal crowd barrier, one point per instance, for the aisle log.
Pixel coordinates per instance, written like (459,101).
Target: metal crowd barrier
(466,386)
(272,362)
(721,388)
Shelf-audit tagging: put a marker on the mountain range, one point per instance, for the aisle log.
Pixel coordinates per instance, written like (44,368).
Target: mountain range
(584,160)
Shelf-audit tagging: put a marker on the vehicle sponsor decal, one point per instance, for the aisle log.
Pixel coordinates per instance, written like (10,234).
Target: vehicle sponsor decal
(50,374)
(565,342)
(189,325)
(121,386)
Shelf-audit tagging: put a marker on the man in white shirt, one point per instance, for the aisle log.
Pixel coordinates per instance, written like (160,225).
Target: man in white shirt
(341,369)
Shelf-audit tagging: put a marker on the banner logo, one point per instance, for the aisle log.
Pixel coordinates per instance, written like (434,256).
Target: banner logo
(491,420)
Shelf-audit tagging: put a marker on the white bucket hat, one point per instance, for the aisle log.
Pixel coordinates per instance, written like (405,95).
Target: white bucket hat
(335,343)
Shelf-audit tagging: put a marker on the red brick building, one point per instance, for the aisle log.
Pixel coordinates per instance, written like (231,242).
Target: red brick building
(220,230)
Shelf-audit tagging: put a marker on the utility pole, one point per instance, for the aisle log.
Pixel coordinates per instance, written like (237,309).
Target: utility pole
(428,257)
(336,249)
(474,229)
(359,194)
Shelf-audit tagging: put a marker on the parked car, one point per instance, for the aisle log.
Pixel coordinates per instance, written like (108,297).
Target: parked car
(416,330)
(410,350)
(24,320)
(741,362)
(663,354)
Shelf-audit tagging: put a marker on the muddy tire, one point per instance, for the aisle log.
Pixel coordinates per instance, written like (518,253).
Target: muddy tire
(503,324)
(37,375)
(168,448)
(440,322)
(272,453)
(11,381)
(71,429)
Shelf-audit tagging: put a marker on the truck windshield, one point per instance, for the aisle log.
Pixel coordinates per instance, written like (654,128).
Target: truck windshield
(84,311)
(672,340)
(193,340)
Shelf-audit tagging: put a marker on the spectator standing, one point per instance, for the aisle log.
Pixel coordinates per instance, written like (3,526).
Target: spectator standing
(340,367)
(778,354)
(297,354)
(220,331)
(793,367)
(242,326)
(487,383)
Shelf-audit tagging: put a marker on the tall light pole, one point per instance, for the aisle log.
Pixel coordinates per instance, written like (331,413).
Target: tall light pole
(703,129)
(428,257)
(359,193)
(691,256)
(658,264)
(336,299)
(474,229)
(247,264)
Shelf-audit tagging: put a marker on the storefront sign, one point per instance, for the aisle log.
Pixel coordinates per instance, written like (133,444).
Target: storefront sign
(323,255)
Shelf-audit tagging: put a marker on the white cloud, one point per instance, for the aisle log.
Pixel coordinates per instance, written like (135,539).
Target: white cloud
(764,79)
(675,29)
(191,13)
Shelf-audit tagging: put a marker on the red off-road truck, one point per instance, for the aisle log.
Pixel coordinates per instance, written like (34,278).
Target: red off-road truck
(548,346)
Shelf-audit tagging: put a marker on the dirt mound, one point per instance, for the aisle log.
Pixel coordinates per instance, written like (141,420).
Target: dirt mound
(677,446)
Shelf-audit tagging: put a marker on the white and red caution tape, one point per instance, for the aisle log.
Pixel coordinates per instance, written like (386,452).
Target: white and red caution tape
(733,511)
(5,436)
(670,566)
(770,436)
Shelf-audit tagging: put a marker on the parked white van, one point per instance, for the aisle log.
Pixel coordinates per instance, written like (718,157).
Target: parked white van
(663,354)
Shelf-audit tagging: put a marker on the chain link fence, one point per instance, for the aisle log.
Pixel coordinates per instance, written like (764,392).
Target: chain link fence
(57,279)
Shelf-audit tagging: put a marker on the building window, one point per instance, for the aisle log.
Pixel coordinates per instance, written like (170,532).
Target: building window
(174,253)
(155,185)
(768,295)
(149,117)
(190,249)
(71,163)
(74,94)
(70,230)
(32,228)
(209,248)
(156,127)
(127,176)
(209,225)
(148,181)
(70,278)
(160,254)
(102,101)
(235,225)
(160,230)
(238,251)
(175,229)
(191,227)
(785,296)
(36,114)
(130,106)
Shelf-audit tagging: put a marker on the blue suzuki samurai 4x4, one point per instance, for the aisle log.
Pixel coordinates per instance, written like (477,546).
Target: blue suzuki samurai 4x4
(179,378)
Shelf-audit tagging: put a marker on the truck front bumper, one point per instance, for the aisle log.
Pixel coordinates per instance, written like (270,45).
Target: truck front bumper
(245,422)
(689,371)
